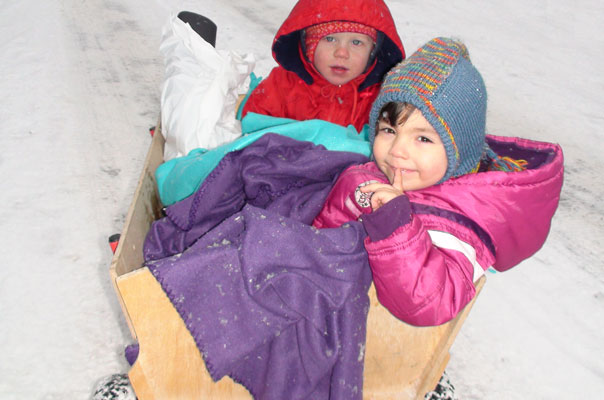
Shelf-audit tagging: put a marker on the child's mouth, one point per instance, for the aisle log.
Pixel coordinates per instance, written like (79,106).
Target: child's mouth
(338,69)
(403,170)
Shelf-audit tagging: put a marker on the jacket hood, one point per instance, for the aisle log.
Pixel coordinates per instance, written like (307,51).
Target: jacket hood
(373,13)
(513,209)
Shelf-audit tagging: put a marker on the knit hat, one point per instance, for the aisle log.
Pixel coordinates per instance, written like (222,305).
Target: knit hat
(314,33)
(440,80)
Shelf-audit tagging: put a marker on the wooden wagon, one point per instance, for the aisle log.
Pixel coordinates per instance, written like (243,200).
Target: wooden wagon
(401,361)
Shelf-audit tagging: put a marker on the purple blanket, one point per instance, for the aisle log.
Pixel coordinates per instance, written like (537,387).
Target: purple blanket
(272,302)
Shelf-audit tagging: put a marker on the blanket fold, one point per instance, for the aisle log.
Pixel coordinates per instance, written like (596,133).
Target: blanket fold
(271,301)
(180,177)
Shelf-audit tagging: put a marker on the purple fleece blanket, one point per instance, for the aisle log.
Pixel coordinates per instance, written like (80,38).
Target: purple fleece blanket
(272,302)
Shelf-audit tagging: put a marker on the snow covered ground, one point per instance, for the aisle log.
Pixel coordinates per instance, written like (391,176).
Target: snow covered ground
(80,87)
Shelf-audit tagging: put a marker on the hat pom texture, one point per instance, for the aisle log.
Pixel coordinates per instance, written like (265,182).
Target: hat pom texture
(440,80)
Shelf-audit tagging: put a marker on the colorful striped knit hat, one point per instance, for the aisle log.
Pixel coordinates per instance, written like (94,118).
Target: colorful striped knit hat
(315,33)
(440,80)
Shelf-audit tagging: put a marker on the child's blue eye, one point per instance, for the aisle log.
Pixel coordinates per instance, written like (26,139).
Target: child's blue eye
(329,38)
(357,42)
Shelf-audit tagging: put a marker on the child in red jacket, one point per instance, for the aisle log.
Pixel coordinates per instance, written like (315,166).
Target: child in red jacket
(332,56)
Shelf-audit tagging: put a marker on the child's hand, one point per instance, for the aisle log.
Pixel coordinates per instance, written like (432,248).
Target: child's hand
(383,192)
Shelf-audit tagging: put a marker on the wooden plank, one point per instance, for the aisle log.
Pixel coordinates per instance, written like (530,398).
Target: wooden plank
(447,334)
(404,361)
(144,209)
(401,361)
(169,365)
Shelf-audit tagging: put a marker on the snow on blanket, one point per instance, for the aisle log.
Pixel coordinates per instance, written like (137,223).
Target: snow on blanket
(272,302)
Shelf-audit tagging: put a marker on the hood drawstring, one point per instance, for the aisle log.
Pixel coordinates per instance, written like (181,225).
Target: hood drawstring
(333,94)
(355,96)
(499,163)
(329,92)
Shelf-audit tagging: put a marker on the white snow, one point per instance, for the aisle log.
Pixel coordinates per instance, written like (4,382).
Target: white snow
(80,87)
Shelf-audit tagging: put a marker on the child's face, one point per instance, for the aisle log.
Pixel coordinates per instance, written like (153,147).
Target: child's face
(413,147)
(341,57)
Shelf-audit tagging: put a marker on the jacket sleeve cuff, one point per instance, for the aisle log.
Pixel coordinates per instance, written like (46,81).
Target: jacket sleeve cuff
(382,223)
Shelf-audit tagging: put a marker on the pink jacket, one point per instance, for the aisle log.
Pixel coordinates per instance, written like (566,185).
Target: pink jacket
(427,247)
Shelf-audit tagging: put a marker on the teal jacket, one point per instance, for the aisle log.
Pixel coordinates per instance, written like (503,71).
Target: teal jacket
(180,177)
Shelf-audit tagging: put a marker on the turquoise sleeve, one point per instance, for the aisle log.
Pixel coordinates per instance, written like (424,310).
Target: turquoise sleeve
(180,177)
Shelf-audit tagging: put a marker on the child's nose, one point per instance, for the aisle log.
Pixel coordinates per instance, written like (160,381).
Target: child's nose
(341,51)
(400,148)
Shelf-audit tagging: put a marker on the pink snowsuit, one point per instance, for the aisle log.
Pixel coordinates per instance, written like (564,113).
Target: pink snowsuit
(428,247)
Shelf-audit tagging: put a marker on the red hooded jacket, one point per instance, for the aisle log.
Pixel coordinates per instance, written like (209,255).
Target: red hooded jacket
(294,89)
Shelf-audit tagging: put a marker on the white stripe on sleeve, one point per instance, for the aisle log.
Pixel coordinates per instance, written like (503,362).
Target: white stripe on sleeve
(448,241)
